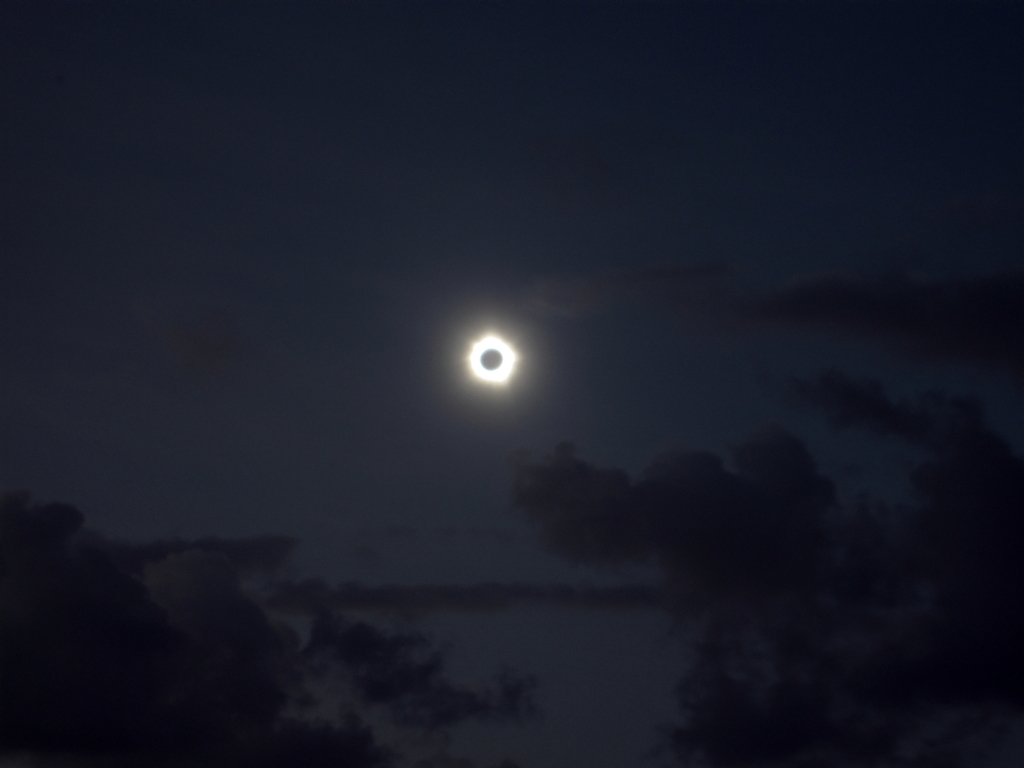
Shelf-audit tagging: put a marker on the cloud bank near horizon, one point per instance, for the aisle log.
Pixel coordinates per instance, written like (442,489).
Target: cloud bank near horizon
(115,654)
(824,631)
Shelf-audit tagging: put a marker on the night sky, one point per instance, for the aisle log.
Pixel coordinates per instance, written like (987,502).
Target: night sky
(753,496)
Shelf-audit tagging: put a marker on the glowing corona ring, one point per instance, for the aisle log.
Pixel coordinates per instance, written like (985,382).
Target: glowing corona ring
(491,359)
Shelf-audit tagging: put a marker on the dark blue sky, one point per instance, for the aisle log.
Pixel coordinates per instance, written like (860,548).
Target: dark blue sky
(246,248)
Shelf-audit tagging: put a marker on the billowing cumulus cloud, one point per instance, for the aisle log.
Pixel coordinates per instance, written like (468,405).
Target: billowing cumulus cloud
(822,634)
(718,534)
(114,654)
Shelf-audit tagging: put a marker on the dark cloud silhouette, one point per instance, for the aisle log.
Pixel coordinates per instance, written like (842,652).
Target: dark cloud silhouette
(976,320)
(846,402)
(967,535)
(717,534)
(823,633)
(312,595)
(116,654)
(401,672)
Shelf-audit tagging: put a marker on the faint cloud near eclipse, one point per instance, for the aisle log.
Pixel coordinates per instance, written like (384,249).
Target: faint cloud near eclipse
(208,345)
(205,342)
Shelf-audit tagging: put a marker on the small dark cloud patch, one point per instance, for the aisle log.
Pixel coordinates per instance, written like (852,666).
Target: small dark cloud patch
(824,633)
(155,654)
(211,344)
(192,336)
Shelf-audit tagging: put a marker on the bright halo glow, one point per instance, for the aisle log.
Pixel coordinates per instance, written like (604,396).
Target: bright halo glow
(491,359)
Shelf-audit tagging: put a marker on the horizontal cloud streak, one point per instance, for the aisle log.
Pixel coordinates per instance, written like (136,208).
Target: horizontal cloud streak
(975,320)
(259,554)
(312,595)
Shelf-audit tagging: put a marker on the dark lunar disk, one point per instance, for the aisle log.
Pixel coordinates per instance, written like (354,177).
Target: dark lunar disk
(490,359)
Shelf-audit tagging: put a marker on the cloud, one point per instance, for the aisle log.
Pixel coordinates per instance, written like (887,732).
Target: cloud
(967,537)
(114,654)
(822,633)
(977,320)
(717,534)
(974,320)
(846,402)
(401,672)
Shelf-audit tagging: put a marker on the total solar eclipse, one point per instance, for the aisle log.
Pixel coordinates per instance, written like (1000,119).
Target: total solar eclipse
(492,360)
